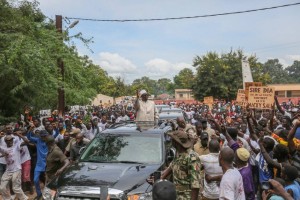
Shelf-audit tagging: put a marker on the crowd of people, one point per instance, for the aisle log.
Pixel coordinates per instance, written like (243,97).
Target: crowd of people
(240,154)
(223,151)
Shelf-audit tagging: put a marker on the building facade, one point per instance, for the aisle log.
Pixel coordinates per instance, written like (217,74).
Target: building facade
(184,94)
(284,92)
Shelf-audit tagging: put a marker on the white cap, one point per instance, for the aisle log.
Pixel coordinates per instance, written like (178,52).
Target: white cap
(143,92)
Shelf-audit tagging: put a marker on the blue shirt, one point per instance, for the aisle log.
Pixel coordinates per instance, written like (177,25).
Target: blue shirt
(265,171)
(295,187)
(42,151)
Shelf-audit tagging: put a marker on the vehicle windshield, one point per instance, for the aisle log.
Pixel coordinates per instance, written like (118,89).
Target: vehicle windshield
(124,148)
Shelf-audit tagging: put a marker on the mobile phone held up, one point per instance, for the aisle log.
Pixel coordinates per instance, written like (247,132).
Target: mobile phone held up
(265,185)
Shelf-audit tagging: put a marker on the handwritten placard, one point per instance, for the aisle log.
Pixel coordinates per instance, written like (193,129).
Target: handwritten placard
(249,84)
(261,97)
(240,98)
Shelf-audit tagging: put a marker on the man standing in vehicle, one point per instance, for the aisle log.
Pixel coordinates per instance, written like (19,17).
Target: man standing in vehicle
(145,109)
(185,167)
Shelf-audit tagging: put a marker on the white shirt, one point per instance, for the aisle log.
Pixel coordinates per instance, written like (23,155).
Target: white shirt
(102,126)
(212,167)
(287,114)
(3,144)
(231,186)
(193,121)
(252,154)
(189,114)
(13,159)
(121,118)
(90,134)
(24,153)
(147,111)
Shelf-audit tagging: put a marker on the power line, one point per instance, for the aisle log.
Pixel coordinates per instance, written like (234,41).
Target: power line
(180,18)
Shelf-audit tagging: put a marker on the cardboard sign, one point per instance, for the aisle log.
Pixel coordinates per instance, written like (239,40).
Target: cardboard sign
(261,97)
(240,98)
(209,100)
(249,84)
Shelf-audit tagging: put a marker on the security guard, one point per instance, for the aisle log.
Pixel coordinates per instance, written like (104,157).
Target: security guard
(185,166)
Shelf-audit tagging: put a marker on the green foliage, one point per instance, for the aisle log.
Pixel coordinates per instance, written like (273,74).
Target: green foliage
(184,79)
(161,86)
(294,72)
(29,51)
(165,86)
(115,87)
(144,83)
(276,72)
(221,75)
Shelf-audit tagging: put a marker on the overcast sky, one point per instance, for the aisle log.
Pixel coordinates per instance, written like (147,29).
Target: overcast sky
(161,49)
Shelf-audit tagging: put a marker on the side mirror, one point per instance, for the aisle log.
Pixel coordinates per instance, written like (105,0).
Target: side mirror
(81,150)
(171,154)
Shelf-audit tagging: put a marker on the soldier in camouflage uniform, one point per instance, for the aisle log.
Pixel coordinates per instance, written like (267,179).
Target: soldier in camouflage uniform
(185,167)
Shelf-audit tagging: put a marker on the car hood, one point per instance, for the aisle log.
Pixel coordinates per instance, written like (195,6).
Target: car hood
(121,176)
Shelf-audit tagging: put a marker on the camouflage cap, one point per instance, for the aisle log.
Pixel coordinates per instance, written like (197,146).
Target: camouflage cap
(182,138)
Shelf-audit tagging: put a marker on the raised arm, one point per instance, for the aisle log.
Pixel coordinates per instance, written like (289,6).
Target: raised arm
(291,135)
(278,105)
(251,130)
(272,119)
(253,119)
(267,157)
(218,127)
(19,134)
(231,143)
(30,137)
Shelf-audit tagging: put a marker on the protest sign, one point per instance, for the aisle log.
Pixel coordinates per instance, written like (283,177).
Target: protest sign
(240,98)
(249,84)
(261,97)
(209,101)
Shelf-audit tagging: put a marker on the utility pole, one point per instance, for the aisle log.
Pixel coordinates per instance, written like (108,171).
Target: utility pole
(60,64)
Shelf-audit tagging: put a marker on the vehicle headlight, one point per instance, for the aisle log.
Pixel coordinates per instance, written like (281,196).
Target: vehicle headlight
(144,196)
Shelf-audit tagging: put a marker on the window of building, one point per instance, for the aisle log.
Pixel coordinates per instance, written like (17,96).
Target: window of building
(296,93)
(180,95)
(288,93)
(280,93)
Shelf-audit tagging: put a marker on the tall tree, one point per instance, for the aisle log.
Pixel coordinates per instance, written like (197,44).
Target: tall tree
(29,49)
(145,83)
(293,72)
(184,79)
(164,85)
(221,75)
(275,71)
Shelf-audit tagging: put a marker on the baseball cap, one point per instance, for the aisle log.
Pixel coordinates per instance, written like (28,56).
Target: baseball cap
(204,135)
(43,133)
(243,154)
